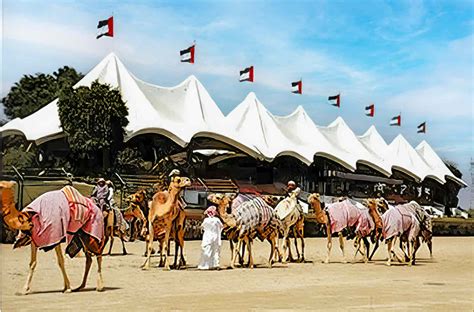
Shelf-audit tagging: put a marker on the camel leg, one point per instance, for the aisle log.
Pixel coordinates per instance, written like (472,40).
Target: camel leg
(236,250)
(290,255)
(298,255)
(285,245)
(100,279)
(231,243)
(375,248)
(86,272)
(367,250)
(389,251)
(302,248)
(411,252)
(357,247)
(146,265)
(182,260)
(59,255)
(429,242)
(34,251)
(329,244)
(165,249)
(124,251)
(341,245)
(110,233)
(249,249)
(242,253)
(272,251)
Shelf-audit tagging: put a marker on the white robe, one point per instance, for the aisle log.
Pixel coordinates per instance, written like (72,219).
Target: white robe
(211,243)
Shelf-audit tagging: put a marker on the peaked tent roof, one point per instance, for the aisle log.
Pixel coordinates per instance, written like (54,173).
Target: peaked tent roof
(435,163)
(300,129)
(407,160)
(340,133)
(256,126)
(179,112)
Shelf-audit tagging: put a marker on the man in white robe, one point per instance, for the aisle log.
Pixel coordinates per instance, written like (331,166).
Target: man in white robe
(211,240)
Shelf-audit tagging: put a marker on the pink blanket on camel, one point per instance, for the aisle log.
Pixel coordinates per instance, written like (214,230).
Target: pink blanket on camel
(56,219)
(344,214)
(398,220)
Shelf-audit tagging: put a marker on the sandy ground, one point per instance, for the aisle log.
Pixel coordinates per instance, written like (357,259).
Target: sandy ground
(444,283)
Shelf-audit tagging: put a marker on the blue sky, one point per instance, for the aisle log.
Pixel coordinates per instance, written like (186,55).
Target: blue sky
(413,57)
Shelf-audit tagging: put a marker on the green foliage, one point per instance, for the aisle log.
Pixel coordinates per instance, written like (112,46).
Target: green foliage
(21,156)
(92,118)
(33,92)
(130,160)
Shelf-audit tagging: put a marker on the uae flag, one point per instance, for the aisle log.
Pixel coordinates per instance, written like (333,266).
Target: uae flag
(106,28)
(335,100)
(297,87)
(422,128)
(187,55)
(396,121)
(370,110)
(246,74)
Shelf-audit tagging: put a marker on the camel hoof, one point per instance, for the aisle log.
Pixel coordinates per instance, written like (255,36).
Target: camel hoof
(326,261)
(167,268)
(388,264)
(23,292)
(100,289)
(78,288)
(124,253)
(145,267)
(67,290)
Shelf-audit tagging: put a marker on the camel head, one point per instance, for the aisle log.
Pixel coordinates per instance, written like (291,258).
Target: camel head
(314,198)
(137,199)
(180,182)
(382,205)
(221,199)
(272,200)
(14,219)
(371,203)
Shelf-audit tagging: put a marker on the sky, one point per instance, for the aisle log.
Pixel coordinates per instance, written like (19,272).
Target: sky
(408,57)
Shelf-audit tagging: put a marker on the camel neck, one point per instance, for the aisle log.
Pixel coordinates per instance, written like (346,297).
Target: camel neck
(228,219)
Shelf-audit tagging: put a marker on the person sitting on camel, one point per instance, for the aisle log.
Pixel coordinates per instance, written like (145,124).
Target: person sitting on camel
(293,190)
(176,173)
(100,194)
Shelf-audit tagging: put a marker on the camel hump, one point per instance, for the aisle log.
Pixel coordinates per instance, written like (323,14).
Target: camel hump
(160,197)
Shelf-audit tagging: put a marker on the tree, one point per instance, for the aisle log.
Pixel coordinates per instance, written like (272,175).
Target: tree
(93,120)
(33,92)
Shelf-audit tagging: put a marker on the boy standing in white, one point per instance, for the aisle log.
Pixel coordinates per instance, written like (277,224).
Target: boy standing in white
(211,240)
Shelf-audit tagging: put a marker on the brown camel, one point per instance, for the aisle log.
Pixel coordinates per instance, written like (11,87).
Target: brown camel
(136,213)
(321,217)
(113,229)
(375,235)
(165,211)
(240,234)
(23,221)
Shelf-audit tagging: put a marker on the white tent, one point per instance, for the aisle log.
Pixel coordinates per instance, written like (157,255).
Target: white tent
(308,139)
(340,134)
(435,163)
(256,126)
(408,161)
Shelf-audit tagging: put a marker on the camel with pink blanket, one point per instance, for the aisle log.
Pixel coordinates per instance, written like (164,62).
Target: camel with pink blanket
(407,222)
(342,217)
(53,218)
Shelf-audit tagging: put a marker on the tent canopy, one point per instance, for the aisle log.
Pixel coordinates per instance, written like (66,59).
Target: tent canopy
(187,111)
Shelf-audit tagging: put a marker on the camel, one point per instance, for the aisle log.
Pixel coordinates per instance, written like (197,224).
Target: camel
(244,223)
(401,222)
(375,235)
(165,211)
(297,229)
(340,217)
(63,215)
(292,219)
(136,212)
(115,228)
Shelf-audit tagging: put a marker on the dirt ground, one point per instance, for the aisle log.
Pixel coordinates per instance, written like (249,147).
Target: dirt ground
(444,283)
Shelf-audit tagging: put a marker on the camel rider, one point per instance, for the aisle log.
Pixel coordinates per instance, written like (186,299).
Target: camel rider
(173,174)
(293,190)
(100,194)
